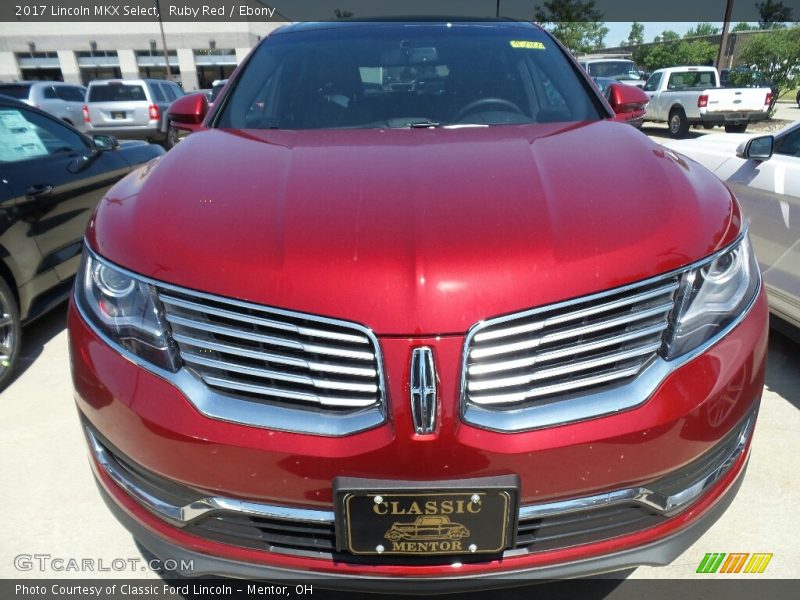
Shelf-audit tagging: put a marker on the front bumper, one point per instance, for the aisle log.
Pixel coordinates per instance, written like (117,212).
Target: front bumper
(154,426)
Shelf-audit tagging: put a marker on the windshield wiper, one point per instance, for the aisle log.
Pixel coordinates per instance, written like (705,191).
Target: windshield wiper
(423,125)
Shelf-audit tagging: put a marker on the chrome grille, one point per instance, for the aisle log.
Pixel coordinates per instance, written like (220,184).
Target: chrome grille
(559,351)
(269,355)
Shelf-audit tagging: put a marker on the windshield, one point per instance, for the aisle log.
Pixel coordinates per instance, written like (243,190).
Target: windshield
(621,70)
(20,92)
(407,75)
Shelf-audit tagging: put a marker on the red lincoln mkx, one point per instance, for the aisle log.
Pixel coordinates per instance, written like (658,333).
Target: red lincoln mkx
(414,304)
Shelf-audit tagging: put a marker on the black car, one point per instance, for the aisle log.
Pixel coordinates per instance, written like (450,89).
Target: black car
(51,178)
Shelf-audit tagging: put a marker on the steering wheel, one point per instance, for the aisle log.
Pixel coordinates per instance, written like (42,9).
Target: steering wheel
(465,110)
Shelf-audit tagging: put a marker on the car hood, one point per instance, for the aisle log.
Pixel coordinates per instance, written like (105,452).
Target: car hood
(414,232)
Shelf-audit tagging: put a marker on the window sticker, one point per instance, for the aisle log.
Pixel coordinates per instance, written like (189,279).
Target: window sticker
(527,45)
(18,138)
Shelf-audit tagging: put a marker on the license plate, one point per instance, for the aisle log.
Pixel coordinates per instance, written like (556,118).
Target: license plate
(380,518)
(735,116)
(117,115)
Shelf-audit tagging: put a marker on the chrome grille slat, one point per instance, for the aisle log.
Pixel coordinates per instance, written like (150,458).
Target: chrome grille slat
(564,369)
(269,374)
(268,339)
(274,357)
(331,335)
(605,307)
(554,388)
(266,390)
(566,350)
(570,333)
(487,368)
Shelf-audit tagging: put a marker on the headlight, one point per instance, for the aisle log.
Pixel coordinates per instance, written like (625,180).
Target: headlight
(125,310)
(713,296)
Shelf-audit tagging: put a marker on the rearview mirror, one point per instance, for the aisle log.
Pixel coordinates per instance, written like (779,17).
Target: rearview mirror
(625,98)
(757,148)
(188,112)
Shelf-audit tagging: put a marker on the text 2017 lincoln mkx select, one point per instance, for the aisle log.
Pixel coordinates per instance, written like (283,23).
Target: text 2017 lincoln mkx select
(413,304)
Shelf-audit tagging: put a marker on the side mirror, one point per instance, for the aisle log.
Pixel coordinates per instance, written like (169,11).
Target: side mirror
(188,112)
(626,99)
(757,148)
(104,143)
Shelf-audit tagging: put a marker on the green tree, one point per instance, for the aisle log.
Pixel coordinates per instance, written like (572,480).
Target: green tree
(675,54)
(702,29)
(636,36)
(774,15)
(576,23)
(776,56)
(744,27)
(667,36)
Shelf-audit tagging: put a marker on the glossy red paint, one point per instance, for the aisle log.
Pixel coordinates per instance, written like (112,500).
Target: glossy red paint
(189,111)
(151,422)
(435,231)
(628,102)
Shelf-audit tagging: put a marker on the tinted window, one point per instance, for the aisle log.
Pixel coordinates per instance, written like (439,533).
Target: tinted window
(789,143)
(399,76)
(622,70)
(157,92)
(176,90)
(49,93)
(116,92)
(20,92)
(69,94)
(169,93)
(25,135)
(653,83)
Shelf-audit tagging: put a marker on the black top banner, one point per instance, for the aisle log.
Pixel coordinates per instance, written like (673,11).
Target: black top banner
(326,10)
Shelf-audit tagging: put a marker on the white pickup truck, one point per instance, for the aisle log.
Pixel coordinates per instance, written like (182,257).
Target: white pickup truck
(685,96)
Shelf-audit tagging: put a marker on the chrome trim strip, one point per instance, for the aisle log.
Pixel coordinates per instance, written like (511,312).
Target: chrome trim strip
(222,407)
(643,496)
(596,404)
(184,515)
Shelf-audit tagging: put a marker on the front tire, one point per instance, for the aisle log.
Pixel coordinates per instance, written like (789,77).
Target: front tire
(740,128)
(10,334)
(678,123)
(171,138)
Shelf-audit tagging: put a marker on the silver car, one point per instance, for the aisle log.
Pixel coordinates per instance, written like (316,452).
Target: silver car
(132,108)
(62,100)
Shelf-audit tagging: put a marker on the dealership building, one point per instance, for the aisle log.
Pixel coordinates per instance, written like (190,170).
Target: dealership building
(198,53)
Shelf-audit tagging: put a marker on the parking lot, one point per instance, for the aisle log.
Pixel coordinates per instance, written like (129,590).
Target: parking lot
(53,508)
